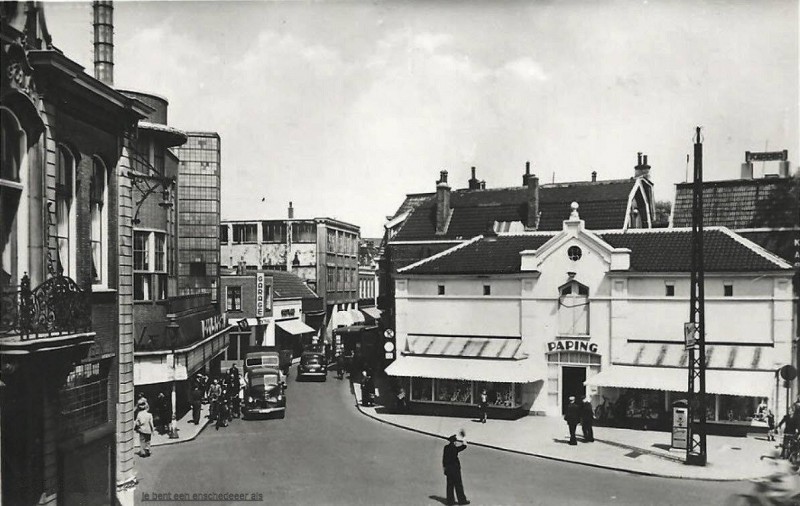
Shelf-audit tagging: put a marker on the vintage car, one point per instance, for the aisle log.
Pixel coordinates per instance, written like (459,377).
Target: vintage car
(312,365)
(266,357)
(265,392)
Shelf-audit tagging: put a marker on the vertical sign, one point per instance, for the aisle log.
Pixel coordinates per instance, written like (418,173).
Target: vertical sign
(260,294)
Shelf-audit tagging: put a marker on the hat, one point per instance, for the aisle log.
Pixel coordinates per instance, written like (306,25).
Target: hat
(571,398)
(452,438)
(142,402)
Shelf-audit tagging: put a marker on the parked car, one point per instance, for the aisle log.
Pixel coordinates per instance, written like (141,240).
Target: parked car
(313,365)
(265,393)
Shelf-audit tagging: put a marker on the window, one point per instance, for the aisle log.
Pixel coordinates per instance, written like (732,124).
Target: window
(149,265)
(728,290)
(223,234)
(234,298)
(304,232)
(12,148)
(84,397)
(574,253)
(440,289)
(245,234)
(487,289)
(670,290)
(141,254)
(99,221)
(573,309)
(65,212)
(274,232)
(160,245)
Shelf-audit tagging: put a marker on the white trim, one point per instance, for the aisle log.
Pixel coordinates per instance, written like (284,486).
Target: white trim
(436,241)
(756,248)
(397,220)
(441,254)
(767,229)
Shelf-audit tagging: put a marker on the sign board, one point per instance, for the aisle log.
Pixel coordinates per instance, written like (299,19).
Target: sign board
(287,312)
(388,334)
(680,427)
(690,334)
(212,325)
(261,296)
(766,156)
(572,345)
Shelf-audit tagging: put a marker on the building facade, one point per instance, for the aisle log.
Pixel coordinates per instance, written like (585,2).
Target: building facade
(537,317)
(199,213)
(64,200)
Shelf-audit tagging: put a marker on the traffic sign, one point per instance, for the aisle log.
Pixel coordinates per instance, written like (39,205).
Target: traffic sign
(690,334)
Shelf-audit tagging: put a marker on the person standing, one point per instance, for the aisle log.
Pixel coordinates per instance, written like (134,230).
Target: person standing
(197,401)
(770,425)
(573,417)
(215,399)
(452,469)
(144,426)
(483,404)
(587,421)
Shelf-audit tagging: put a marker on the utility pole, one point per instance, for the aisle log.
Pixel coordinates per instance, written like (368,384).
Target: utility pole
(696,447)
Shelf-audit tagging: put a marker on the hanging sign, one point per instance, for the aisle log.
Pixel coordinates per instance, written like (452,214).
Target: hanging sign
(690,334)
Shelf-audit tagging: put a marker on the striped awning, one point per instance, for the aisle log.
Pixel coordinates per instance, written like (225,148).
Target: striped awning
(675,355)
(465,346)
(471,369)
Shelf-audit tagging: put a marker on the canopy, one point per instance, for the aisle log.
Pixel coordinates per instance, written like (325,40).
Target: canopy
(295,327)
(508,371)
(673,379)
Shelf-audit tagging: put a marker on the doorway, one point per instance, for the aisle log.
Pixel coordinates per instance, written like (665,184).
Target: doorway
(572,379)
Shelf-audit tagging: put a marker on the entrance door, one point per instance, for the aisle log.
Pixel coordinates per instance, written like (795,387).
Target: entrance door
(572,379)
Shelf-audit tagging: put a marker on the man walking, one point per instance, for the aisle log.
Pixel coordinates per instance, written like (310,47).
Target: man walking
(452,469)
(573,417)
(587,421)
(144,426)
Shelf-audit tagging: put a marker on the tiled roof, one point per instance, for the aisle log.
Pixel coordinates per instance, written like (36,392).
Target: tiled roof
(603,203)
(742,203)
(656,250)
(779,242)
(286,285)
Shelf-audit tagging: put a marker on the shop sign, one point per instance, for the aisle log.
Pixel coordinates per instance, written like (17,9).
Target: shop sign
(690,334)
(260,295)
(287,312)
(212,325)
(572,346)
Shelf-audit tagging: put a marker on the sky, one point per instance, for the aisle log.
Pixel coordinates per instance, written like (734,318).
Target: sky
(344,107)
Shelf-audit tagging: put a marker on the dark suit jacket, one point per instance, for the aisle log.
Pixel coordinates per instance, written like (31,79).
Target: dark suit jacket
(573,414)
(450,458)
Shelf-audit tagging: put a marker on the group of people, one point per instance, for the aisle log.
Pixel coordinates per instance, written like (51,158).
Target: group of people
(225,397)
(580,413)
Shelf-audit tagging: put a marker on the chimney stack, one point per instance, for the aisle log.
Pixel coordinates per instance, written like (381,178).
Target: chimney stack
(531,182)
(474,184)
(642,169)
(291,211)
(442,203)
(594,176)
(103,22)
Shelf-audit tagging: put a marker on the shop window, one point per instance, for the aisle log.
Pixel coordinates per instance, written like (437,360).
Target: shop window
(573,309)
(421,389)
(454,391)
(501,395)
(98,196)
(12,148)
(487,289)
(65,210)
(670,290)
(728,290)
(440,289)
(736,409)
(233,298)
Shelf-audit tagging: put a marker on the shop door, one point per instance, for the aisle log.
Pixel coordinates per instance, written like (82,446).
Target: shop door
(572,379)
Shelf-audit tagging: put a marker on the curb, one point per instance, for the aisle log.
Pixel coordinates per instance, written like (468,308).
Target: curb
(179,440)
(542,456)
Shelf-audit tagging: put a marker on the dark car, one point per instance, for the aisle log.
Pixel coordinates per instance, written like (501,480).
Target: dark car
(312,365)
(265,394)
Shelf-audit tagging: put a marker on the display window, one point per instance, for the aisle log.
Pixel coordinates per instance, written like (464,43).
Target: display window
(421,389)
(454,391)
(737,409)
(502,395)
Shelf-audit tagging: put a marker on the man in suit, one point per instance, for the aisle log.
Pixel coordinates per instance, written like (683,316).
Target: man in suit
(587,420)
(452,469)
(144,426)
(573,417)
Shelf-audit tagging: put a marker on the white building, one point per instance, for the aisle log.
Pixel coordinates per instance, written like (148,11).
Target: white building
(539,316)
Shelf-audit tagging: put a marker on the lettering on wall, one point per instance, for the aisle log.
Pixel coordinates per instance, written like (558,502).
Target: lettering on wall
(212,325)
(574,345)
(287,312)
(260,296)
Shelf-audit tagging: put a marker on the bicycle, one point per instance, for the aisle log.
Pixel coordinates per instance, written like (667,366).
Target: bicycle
(782,488)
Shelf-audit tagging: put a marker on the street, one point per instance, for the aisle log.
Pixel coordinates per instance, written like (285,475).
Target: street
(326,452)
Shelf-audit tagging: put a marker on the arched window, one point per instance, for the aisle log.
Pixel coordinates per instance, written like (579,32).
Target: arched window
(12,156)
(573,309)
(98,197)
(65,211)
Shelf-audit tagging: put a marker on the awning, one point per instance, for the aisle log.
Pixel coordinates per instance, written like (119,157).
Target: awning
(465,346)
(341,319)
(295,327)
(730,382)
(372,312)
(356,315)
(506,371)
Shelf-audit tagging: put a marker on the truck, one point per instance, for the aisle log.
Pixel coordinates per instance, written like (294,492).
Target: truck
(269,356)
(265,392)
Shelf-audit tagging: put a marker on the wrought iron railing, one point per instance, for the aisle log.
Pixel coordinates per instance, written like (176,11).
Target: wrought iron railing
(56,307)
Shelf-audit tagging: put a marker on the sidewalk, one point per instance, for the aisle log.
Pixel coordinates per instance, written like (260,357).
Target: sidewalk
(186,430)
(634,451)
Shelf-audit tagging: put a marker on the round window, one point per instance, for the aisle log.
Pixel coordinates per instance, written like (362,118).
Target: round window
(574,253)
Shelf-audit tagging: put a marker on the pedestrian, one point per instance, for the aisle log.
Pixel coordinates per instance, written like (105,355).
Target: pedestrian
(367,389)
(214,398)
(197,401)
(572,416)
(770,425)
(141,400)
(161,412)
(452,469)
(483,404)
(222,411)
(402,400)
(587,421)
(144,426)
(761,410)
(789,423)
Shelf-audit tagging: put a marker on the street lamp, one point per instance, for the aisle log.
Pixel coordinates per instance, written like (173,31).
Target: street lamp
(172,331)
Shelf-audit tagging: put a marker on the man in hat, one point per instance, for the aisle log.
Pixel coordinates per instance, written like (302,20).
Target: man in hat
(573,417)
(452,468)
(587,420)
(144,426)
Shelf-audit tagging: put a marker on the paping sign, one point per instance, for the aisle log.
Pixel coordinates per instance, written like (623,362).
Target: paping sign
(571,346)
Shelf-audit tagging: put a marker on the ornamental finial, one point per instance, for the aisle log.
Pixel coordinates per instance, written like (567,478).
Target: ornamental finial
(574,214)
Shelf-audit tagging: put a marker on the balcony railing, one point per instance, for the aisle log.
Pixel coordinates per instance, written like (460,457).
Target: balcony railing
(56,307)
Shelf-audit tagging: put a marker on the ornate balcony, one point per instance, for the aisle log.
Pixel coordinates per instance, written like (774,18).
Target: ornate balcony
(57,307)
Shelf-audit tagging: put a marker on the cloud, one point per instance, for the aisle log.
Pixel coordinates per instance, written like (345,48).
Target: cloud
(526,69)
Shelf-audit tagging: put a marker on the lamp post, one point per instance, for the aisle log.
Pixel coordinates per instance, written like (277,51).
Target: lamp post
(172,329)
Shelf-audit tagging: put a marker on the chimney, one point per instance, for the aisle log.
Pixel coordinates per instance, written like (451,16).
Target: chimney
(442,203)
(642,169)
(594,176)
(483,185)
(527,173)
(291,211)
(532,185)
(474,184)
(103,22)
